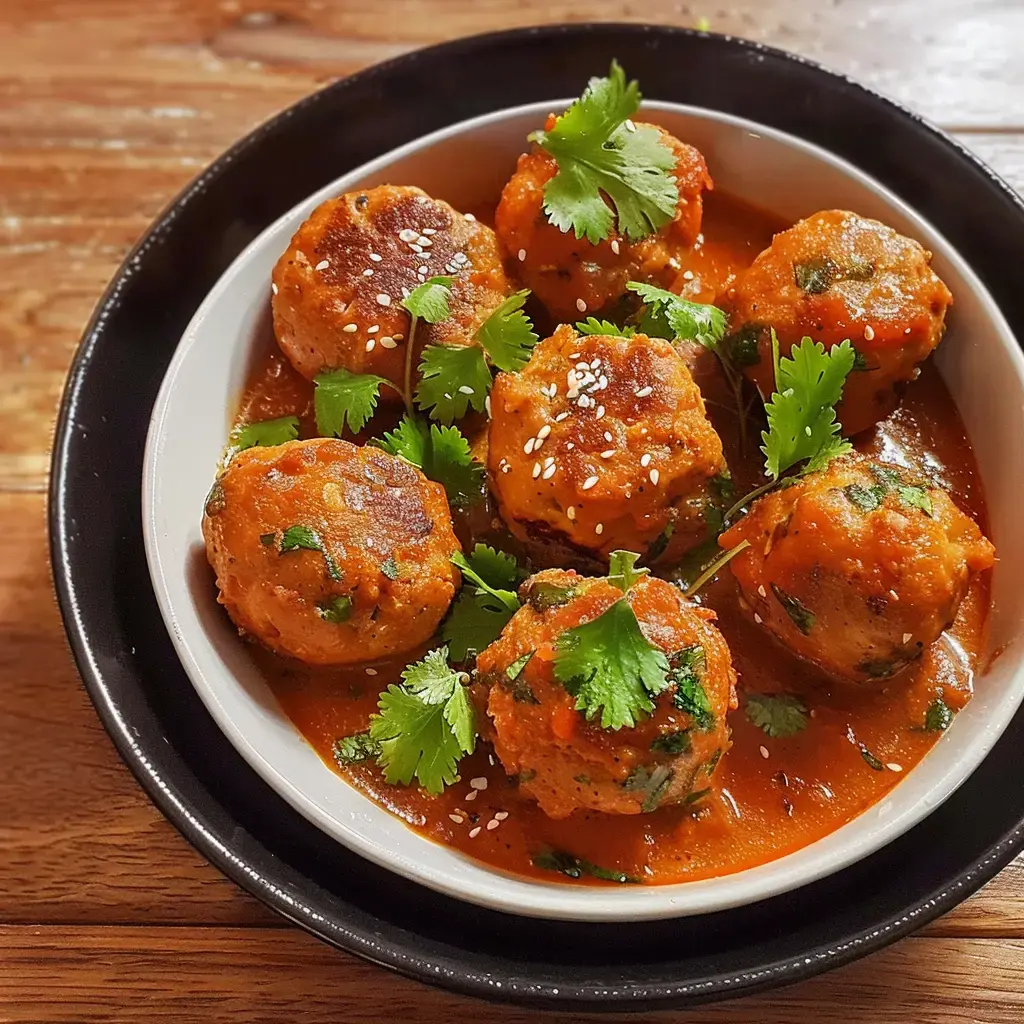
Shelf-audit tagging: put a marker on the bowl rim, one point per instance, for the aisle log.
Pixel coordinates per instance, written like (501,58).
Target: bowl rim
(206,819)
(466,878)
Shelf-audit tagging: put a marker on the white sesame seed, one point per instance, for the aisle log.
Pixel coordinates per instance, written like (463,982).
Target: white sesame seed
(602,383)
(493,824)
(581,305)
(490,759)
(480,782)
(424,241)
(599,529)
(522,255)
(458,819)
(583,365)
(907,636)
(528,447)
(570,512)
(368,272)
(644,392)
(589,482)
(322,265)
(506,469)
(371,671)
(757,618)
(569,447)
(654,477)
(548,461)
(423,270)
(615,246)
(630,127)
(894,767)
(388,343)
(894,595)
(869,333)
(465,389)
(500,815)
(430,231)
(687,275)
(474,832)
(350,328)
(373,330)
(600,411)
(487,406)
(471,796)
(574,355)
(468,216)
(376,257)
(544,431)
(608,453)
(584,402)
(538,444)
(645,459)
(762,591)
(370,344)
(460,258)
(408,235)
(536,470)
(764,751)
(549,472)
(595,364)
(561,416)
(416,248)
(273,287)
(907,331)
(383,300)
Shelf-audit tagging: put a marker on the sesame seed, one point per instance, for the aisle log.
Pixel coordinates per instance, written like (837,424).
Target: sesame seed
(500,815)
(408,235)
(644,392)
(398,337)
(894,767)
(687,275)
(549,471)
(608,453)
(350,328)
(368,272)
(430,231)
(907,636)
(487,406)
(492,824)
(465,389)
(474,832)
(762,591)
(468,216)
(480,782)
(371,671)
(630,127)
(458,819)
(388,343)
(894,595)
(370,344)
(373,330)
(600,411)
(460,258)
(376,257)
(602,383)
(757,618)
(599,529)
(273,287)
(574,355)
(522,255)
(416,248)
(584,401)
(615,246)
(869,333)
(608,436)
(528,447)
(595,364)
(544,431)
(536,470)
(764,751)
(471,796)
(322,265)
(506,469)
(570,512)
(548,461)
(424,241)
(538,444)
(383,300)
(645,459)
(654,477)
(561,416)
(907,331)
(589,482)
(569,447)
(423,270)
(581,305)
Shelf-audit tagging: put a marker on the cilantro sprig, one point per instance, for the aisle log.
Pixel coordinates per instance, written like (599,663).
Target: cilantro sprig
(670,316)
(425,725)
(600,153)
(777,714)
(264,433)
(592,325)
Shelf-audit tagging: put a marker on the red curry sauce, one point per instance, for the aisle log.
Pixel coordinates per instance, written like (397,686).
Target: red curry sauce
(775,795)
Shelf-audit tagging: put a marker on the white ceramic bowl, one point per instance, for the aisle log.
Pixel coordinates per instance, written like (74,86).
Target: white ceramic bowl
(467,165)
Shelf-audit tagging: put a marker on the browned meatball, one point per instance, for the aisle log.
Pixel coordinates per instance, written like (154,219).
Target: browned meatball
(857,568)
(600,443)
(566,762)
(330,553)
(338,287)
(833,276)
(570,275)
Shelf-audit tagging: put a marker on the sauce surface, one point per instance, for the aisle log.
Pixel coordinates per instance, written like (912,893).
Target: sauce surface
(775,795)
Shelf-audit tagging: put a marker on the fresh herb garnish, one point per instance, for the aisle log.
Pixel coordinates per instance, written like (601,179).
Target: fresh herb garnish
(345,400)
(690,696)
(601,155)
(815,275)
(425,725)
(452,379)
(611,668)
(604,327)
(741,346)
(542,595)
(486,602)
(890,481)
(265,433)
(336,609)
(673,742)
(513,672)
(867,499)
(390,568)
(697,794)
(870,759)
(800,615)
(622,571)
(669,316)
(507,335)
(296,538)
(938,717)
(441,452)
(355,749)
(576,867)
(777,714)
(652,783)
(429,300)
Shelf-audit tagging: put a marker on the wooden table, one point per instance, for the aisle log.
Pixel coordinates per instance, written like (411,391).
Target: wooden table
(107,107)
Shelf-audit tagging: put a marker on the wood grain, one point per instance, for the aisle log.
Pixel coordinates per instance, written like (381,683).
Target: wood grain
(107,108)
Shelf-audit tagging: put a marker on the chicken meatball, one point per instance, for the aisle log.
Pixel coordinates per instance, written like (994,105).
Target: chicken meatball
(567,761)
(338,287)
(600,443)
(835,276)
(570,275)
(857,568)
(330,553)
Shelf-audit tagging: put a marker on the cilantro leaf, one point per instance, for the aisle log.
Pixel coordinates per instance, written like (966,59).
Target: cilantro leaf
(599,154)
(469,570)
(677,742)
(265,433)
(441,452)
(490,568)
(611,667)
(343,399)
(777,714)
(621,569)
(915,497)
(576,867)
(690,696)
(543,595)
(507,335)
(669,316)
(355,749)
(425,725)
(594,326)
(802,616)
(297,538)
(451,380)
(486,602)
(801,414)
(336,609)
(939,716)
(429,301)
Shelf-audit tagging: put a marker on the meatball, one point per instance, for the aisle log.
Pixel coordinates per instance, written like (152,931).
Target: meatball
(330,553)
(569,274)
(857,568)
(338,287)
(566,762)
(835,276)
(600,443)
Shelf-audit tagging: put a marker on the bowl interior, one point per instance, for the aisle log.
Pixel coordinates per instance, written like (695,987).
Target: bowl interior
(467,164)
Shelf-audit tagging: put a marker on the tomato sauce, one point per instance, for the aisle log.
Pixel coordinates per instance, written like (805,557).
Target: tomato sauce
(774,796)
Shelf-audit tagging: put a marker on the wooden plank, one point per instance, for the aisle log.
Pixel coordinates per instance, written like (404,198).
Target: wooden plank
(83,974)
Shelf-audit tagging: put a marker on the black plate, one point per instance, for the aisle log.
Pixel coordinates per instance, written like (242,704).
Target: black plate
(160,726)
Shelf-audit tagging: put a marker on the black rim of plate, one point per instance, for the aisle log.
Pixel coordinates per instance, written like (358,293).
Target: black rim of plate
(156,719)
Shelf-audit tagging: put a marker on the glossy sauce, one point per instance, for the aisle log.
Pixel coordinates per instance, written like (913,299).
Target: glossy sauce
(775,795)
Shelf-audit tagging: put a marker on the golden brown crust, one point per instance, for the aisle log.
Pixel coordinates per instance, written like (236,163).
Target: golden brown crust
(563,270)
(567,763)
(861,280)
(378,518)
(339,285)
(599,443)
(880,581)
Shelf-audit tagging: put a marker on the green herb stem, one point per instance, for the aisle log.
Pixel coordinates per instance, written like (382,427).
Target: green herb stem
(714,567)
